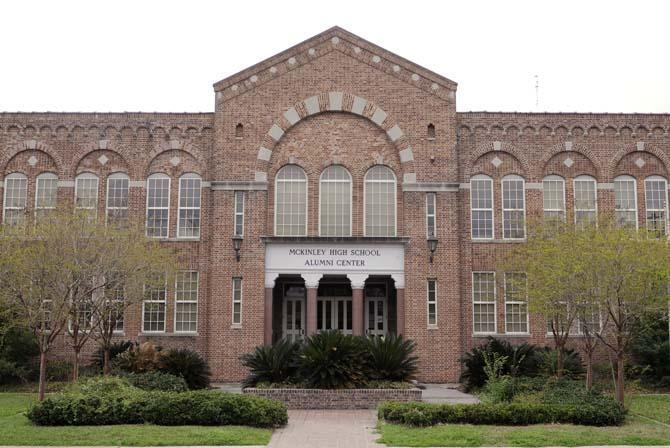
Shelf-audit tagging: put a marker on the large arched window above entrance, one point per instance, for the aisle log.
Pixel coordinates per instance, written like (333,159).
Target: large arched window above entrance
(335,202)
(380,201)
(291,201)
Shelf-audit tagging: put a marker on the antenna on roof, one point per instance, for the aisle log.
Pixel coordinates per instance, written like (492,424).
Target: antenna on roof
(537,92)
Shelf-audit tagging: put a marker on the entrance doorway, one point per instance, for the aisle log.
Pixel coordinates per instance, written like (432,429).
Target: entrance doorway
(334,306)
(376,309)
(293,313)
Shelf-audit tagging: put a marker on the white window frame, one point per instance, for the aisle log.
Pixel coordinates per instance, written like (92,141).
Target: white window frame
(116,299)
(277,181)
(553,178)
(351,191)
(495,303)
(177,301)
(236,287)
(12,177)
(626,178)
(516,302)
(164,302)
(431,302)
(41,177)
(479,178)
(431,200)
(185,177)
(108,208)
(238,212)
(394,200)
(513,178)
(84,177)
(665,210)
(585,178)
(146,226)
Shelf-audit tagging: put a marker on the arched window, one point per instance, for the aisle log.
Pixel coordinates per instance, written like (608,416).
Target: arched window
(158,205)
(239,130)
(586,200)
(625,201)
(14,203)
(335,202)
(481,207)
(513,207)
(656,202)
(46,194)
(291,201)
(86,194)
(188,225)
(553,198)
(380,201)
(430,131)
(117,199)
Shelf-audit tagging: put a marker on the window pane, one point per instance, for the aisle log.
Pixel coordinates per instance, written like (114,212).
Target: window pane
(481,199)
(237,300)
(189,207)
(432,302)
(656,205)
(335,200)
(585,201)
(16,193)
(186,301)
(291,202)
(516,304)
(625,202)
(430,214)
(484,306)
(380,202)
(239,213)
(86,194)
(158,202)
(117,200)
(514,226)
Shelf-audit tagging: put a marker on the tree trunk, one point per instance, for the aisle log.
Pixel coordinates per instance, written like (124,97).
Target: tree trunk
(589,370)
(619,377)
(106,368)
(559,362)
(43,376)
(75,365)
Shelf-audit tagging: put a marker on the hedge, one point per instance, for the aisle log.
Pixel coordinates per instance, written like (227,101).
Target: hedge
(515,414)
(156,380)
(159,408)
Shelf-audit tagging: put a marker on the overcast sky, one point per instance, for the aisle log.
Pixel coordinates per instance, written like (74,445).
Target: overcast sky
(590,56)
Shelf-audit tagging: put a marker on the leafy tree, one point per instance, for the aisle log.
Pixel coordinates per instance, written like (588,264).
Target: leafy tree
(54,274)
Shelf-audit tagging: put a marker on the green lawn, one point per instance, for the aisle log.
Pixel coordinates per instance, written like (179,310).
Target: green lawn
(636,431)
(16,429)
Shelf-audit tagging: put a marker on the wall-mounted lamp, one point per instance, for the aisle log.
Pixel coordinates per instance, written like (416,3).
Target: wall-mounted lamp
(432,246)
(237,244)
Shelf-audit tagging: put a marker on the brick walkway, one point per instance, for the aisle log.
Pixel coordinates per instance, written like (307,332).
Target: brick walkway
(327,429)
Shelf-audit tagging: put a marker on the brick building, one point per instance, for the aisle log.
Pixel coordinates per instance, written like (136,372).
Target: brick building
(334,166)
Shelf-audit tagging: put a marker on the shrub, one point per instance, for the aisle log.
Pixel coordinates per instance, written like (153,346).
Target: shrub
(391,358)
(271,363)
(58,370)
(332,360)
(115,350)
(157,380)
(427,414)
(650,350)
(572,362)
(11,372)
(139,358)
(18,345)
(187,364)
(133,406)
(522,360)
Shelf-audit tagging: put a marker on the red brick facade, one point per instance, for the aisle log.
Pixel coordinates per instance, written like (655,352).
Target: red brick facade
(336,99)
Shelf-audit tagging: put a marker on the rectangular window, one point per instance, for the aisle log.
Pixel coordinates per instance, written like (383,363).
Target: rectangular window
(239,213)
(237,300)
(514,208)
(189,207)
(585,201)
(656,198)
(86,194)
(83,315)
(553,198)
(46,194)
(432,302)
(484,302)
(117,298)
(430,215)
(117,200)
(16,194)
(158,206)
(481,202)
(153,309)
(625,202)
(516,303)
(186,302)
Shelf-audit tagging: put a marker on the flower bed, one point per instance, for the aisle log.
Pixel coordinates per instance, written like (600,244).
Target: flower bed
(335,398)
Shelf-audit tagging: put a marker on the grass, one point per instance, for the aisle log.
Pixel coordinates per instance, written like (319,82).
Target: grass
(16,429)
(638,430)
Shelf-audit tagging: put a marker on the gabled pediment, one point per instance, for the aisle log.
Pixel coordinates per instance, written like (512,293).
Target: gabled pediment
(335,39)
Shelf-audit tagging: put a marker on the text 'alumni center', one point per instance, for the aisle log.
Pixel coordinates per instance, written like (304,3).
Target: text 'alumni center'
(336,187)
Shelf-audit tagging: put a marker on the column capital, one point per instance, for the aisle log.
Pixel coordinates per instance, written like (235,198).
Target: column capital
(357,280)
(399,280)
(270,278)
(312,280)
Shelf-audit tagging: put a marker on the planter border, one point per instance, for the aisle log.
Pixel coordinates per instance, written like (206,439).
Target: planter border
(335,398)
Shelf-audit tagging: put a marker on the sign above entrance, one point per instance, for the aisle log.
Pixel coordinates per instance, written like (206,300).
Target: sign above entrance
(334,258)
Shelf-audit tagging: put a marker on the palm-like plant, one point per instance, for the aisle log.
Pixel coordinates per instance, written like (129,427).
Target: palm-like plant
(391,358)
(332,360)
(271,363)
(189,365)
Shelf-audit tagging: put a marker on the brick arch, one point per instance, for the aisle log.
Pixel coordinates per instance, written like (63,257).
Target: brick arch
(568,147)
(335,102)
(641,147)
(501,147)
(32,145)
(185,146)
(102,146)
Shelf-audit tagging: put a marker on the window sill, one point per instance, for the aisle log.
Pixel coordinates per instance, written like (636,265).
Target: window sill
(497,240)
(501,335)
(236,327)
(432,327)
(166,334)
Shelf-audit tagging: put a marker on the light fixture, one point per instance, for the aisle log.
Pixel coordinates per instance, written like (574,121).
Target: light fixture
(237,244)
(432,246)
